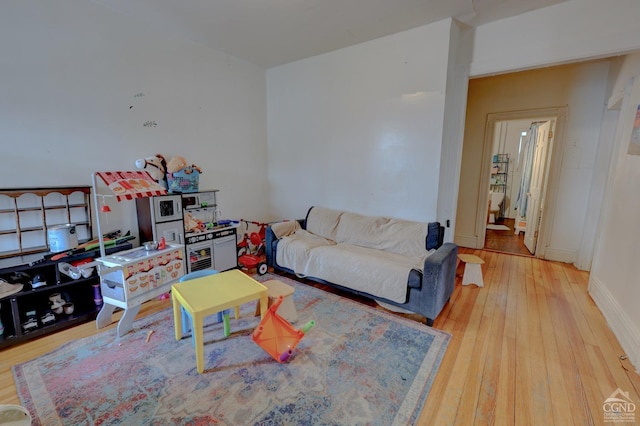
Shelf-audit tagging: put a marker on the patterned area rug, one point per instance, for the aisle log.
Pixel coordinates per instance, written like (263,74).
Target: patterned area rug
(358,365)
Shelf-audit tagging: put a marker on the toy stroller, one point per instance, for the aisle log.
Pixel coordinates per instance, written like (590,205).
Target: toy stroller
(276,336)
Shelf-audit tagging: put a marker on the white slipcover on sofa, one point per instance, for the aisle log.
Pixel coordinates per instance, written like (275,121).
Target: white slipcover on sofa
(397,262)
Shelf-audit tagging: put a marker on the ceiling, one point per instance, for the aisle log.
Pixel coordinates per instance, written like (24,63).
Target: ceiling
(269,33)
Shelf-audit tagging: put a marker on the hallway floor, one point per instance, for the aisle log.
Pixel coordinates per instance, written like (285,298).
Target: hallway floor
(506,241)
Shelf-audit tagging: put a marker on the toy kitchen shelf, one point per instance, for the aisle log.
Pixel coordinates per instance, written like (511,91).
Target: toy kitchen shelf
(80,292)
(27,213)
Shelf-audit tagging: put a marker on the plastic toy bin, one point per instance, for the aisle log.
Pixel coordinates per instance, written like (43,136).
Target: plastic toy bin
(183,181)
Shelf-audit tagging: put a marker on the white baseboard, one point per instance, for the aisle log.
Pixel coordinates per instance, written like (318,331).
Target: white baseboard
(623,328)
(558,255)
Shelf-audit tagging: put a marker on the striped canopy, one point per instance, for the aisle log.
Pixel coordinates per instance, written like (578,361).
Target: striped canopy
(129,185)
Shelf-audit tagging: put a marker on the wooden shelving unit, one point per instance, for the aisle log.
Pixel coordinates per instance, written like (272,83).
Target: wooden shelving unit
(27,213)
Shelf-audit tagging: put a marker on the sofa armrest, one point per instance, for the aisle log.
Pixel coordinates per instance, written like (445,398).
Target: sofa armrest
(271,243)
(439,278)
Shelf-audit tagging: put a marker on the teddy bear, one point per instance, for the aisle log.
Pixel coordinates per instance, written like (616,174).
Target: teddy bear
(156,166)
(177,163)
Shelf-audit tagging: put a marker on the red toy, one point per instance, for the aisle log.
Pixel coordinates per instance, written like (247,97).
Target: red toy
(276,336)
(251,250)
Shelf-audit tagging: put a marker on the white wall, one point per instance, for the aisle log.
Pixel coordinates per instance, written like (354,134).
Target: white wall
(615,271)
(566,32)
(361,128)
(585,97)
(70,73)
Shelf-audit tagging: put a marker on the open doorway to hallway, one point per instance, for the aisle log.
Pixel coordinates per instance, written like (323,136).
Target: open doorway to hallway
(574,189)
(520,145)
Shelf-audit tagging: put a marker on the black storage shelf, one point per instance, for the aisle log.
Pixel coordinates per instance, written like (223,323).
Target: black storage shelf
(14,308)
(61,324)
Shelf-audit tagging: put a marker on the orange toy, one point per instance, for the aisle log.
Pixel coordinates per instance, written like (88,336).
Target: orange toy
(276,336)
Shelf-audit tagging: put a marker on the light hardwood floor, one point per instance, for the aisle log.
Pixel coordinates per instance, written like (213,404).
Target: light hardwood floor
(506,241)
(529,348)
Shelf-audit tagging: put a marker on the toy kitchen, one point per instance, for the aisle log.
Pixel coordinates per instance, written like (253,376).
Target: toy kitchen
(191,219)
(131,277)
(186,235)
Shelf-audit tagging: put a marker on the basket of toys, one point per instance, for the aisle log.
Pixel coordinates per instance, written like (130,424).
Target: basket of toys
(184,180)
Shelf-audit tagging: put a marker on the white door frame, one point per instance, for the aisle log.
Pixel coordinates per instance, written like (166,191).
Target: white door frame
(551,189)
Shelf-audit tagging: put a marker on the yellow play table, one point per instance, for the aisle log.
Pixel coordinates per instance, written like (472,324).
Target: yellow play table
(209,295)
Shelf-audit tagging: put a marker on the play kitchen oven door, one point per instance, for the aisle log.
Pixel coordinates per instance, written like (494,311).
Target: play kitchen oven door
(200,255)
(212,250)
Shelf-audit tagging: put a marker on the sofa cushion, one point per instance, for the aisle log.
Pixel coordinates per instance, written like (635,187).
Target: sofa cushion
(398,236)
(293,250)
(323,222)
(379,273)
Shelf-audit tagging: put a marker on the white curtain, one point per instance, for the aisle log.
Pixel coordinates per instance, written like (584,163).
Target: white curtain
(527,168)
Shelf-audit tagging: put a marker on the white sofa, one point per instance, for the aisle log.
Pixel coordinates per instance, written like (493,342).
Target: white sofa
(400,263)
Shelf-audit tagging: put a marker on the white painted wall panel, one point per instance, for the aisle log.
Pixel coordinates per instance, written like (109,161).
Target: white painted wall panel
(585,93)
(360,128)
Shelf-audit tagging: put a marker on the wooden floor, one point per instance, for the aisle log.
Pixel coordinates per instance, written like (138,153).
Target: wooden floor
(506,241)
(529,348)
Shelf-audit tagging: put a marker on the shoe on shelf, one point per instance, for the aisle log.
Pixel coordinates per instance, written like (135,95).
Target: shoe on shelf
(47,318)
(31,323)
(38,281)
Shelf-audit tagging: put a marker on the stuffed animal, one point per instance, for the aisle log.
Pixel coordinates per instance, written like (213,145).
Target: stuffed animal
(192,168)
(179,163)
(191,224)
(156,166)
(176,163)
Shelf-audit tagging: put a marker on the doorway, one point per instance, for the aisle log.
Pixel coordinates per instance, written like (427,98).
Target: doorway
(518,150)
